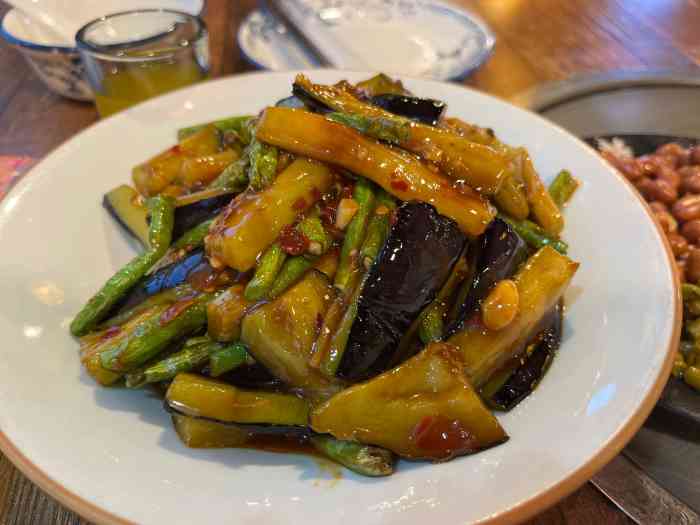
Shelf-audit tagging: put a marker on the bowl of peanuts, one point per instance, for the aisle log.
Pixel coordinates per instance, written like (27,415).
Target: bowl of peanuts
(666,172)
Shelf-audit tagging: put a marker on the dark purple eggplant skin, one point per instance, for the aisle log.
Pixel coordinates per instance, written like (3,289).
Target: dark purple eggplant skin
(193,214)
(308,100)
(420,251)
(168,277)
(425,110)
(532,369)
(500,253)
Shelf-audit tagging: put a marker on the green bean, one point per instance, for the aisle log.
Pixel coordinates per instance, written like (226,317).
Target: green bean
(268,268)
(191,356)
(154,335)
(563,187)
(160,232)
(354,234)
(227,358)
(313,229)
(331,359)
(534,235)
(239,125)
(377,228)
(263,164)
(293,270)
(691,376)
(234,177)
(165,297)
(363,459)
(431,325)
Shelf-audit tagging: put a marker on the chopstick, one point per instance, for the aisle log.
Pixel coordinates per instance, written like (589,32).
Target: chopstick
(277,10)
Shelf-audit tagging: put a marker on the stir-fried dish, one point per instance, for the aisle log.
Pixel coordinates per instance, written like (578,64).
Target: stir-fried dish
(669,179)
(349,271)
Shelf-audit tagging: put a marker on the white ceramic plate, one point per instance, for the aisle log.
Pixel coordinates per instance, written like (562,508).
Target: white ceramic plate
(112,455)
(420,38)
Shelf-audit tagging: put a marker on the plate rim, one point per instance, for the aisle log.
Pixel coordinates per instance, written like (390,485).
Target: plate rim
(518,512)
(464,72)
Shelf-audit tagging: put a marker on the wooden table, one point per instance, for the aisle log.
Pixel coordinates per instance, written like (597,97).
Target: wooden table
(537,41)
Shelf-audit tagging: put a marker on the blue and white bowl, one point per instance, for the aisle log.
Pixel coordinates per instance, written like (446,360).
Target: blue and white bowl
(57,63)
(58,66)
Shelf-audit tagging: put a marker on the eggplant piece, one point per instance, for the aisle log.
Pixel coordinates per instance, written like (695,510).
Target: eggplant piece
(425,110)
(310,102)
(197,396)
(422,409)
(415,261)
(200,433)
(533,366)
(541,281)
(501,251)
(192,214)
(164,279)
(254,220)
(380,84)
(122,204)
(280,334)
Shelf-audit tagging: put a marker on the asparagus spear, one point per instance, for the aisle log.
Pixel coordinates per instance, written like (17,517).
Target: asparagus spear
(363,459)
(162,210)
(263,164)
(292,270)
(354,234)
(227,358)
(563,187)
(191,356)
(235,175)
(378,228)
(268,268)
(331,358)
(534,235)
(155,334)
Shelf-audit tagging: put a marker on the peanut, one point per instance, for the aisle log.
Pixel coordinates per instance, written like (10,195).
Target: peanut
(691,231)
(501,305)
(687,208)
(657,206)
(692,266)
(695,155)
(679,244)
(690,179)
(667,222)
(658,190)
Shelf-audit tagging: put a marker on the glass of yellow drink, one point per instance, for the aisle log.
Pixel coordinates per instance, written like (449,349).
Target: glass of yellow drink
(135,55)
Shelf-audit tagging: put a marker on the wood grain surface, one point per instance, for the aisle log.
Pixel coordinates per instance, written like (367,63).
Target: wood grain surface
(537,41)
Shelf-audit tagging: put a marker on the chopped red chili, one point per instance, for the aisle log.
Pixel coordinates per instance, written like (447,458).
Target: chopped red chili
(399,185)
(299,204)
(292,241)
(111,332)
(176,150)
(175,310)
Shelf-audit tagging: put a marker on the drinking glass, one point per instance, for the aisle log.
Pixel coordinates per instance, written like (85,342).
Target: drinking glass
(135,55)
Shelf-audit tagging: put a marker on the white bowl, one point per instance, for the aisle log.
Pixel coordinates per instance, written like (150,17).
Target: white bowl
(56,62)
(111,455)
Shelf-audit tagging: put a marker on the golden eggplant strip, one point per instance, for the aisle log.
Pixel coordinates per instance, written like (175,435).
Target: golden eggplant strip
(422,409)
(399,173)
(541,281)
(479,165)
(544,210)
(254,220)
